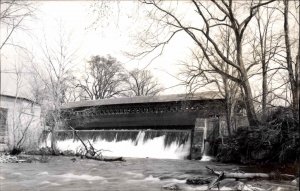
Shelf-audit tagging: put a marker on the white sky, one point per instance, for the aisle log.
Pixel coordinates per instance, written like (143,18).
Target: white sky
(113,35)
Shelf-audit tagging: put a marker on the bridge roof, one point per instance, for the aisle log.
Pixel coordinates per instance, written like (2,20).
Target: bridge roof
(208,95)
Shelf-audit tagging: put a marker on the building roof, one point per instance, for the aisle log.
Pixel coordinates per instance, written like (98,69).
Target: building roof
(209,95)
(18,97)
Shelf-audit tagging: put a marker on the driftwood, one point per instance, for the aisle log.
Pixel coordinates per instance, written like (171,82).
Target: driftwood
(92,153)
(105,159)
(240,175)
(216,181)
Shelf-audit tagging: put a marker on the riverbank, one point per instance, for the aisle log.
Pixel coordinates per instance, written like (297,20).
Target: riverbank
(276,141)
(74,173)
(23,158)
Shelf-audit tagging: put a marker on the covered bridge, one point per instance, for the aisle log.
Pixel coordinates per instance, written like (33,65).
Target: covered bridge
(158,114)
(144,112)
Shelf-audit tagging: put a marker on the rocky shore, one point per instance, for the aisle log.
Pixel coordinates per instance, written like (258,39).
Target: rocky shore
(189,183)
(203,183)
(22,158)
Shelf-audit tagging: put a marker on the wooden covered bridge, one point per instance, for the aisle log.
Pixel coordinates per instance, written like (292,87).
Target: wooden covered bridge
(165,112)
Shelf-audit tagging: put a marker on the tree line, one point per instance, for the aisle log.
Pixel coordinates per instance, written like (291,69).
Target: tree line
(247,50)
(105,77)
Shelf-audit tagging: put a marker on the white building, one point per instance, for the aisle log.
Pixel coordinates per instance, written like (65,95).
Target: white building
(20,122)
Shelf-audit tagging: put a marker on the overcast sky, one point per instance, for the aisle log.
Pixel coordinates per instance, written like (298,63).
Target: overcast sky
(113,34)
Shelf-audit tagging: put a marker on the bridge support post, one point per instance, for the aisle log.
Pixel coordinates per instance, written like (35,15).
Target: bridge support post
(190,157)
(197,135)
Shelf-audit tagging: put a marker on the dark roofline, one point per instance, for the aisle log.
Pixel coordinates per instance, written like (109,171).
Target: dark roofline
(209,95)
(19,98)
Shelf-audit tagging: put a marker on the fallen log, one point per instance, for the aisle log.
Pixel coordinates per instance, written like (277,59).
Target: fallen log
(216,181)
(240,175)
(114,159)
(105,159)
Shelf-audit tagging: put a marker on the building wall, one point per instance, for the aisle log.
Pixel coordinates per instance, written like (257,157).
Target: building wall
(22,120)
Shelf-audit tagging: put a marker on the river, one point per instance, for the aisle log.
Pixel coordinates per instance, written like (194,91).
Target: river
(61,173)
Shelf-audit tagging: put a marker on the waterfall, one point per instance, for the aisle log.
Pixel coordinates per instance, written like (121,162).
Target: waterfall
(167,144)
(205,156)
(206,146)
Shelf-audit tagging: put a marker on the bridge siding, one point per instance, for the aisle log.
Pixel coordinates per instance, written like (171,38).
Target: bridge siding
(143,115)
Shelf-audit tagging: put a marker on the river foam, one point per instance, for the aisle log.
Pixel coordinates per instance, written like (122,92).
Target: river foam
(206,158)
(42,173)
(134,174)
(71,176)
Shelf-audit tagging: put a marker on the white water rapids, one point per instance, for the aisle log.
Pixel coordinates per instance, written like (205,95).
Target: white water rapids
(138,147)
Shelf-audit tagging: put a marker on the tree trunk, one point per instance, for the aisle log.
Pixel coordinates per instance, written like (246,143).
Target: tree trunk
(228,108)
(251,115)
(293,72)
(53,140)
(264,90)
(248,99)
(53,132)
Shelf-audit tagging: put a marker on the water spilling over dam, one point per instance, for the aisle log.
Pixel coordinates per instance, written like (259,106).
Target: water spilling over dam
(167,144)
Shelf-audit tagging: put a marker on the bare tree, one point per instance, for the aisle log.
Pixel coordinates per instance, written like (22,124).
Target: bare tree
(104,78)
(201,74)
(13,13)
(24,116)
(217,16)
(55,71)
(292,66)
(266,45)
(142,83)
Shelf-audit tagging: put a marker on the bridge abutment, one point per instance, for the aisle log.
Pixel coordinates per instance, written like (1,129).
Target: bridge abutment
(204,128)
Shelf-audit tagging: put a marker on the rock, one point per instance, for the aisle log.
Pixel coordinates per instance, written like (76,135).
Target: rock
(44,159)
(68,153)
(33,152)
(280,188)
(229,182)
(260,154)
(240,186)
(171,187)
(165,177)
(199,180)
(41,151)
(295,182)
(22,160)
(45,151)
(8,159)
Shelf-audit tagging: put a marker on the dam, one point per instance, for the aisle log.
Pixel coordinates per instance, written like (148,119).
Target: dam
(166,126)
